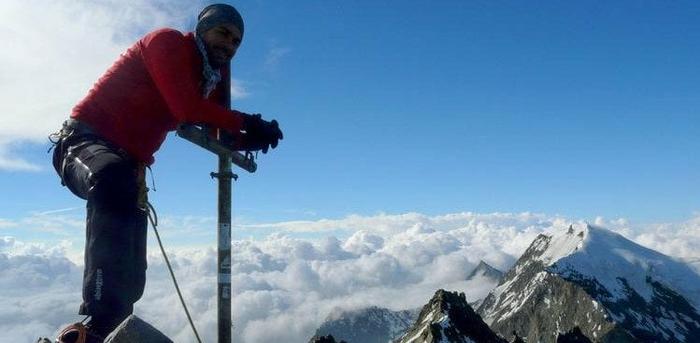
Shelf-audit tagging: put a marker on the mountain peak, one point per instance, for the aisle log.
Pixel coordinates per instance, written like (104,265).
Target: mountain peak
(608,257)
(584,250)
(598,280)
(448,318)
(553,246)
(484,269)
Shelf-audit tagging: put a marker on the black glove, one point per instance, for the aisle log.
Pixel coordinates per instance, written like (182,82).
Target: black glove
(260,134)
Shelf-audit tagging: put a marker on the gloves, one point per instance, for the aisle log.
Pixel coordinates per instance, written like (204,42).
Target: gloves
(259,134)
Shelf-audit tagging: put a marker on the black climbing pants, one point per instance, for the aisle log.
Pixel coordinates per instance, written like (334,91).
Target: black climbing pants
(115,241)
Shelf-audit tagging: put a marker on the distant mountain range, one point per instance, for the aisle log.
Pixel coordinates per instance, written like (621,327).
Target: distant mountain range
(583,284)
(369,325)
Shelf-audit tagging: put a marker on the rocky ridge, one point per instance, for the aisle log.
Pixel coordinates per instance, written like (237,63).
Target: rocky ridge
(448,318)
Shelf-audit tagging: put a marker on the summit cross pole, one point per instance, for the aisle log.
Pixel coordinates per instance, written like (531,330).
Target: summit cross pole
(219,143)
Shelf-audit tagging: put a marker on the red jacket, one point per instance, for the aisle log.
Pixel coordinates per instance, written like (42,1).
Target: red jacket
(151,89)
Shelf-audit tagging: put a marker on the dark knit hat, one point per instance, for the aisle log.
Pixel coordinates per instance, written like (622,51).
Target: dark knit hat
(218,14)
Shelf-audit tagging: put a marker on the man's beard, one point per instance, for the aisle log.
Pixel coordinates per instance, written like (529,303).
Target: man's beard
(217,58)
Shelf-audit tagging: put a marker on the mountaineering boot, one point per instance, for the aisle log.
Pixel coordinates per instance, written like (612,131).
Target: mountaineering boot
(79,333)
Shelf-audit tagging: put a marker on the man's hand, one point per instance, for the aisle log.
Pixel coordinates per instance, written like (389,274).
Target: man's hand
(260,134)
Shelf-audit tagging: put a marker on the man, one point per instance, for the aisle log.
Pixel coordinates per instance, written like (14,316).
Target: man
(165,79)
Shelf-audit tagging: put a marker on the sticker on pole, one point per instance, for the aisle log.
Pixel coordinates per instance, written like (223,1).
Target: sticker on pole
(226,263)
(224,236)
(224,278)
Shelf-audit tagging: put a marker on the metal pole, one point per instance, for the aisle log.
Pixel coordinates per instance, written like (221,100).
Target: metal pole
(224,238)
(219,143)
(224,287)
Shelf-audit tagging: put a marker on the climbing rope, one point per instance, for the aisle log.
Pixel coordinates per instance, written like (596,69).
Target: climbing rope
(79,327)
(153,218)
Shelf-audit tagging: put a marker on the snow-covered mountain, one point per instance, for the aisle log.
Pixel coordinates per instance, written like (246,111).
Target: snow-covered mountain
(368,325)
(485,270)
(447,318)
(611,288)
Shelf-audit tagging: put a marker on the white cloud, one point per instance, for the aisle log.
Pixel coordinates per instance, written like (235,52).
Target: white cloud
(5,223)
(673,239)
(51,225)
(363,243)
(285,286)
(391,223)
(8,162)
(53,52)
(6,242)
(60,210)
(238,91)
(274,57)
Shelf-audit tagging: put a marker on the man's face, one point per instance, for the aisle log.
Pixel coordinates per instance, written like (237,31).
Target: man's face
(221,42)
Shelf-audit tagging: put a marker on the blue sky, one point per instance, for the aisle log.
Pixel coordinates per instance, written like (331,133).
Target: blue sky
(420,138)
(581,109)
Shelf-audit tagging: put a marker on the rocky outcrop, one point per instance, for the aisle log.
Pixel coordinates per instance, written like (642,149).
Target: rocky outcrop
(448,318)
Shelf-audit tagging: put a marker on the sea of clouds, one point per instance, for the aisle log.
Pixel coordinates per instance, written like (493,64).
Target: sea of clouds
(284,286)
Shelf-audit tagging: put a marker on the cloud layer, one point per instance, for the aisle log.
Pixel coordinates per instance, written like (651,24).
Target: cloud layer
(285,286)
